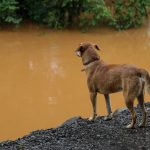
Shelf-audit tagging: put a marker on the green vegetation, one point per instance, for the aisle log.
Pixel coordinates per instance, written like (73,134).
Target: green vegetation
(121,14)
(8,12)
(130,13)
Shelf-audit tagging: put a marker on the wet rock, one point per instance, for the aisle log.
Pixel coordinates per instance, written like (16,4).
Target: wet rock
(80,134)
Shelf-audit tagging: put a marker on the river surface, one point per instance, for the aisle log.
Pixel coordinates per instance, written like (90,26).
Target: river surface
(41,83)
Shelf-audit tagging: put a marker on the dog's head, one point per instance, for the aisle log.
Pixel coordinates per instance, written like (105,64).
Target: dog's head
(84,47)
(87,52)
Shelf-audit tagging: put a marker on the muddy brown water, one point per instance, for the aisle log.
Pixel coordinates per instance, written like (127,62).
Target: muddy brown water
(41,84)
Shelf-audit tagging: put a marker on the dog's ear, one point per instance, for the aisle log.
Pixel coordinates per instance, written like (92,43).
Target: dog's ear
(96,47)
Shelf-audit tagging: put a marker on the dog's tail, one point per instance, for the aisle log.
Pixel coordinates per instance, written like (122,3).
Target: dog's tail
(146,77)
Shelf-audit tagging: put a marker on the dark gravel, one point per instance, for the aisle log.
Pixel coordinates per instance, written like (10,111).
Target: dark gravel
(81,134)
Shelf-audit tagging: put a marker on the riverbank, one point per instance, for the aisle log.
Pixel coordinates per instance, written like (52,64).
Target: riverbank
(78,133)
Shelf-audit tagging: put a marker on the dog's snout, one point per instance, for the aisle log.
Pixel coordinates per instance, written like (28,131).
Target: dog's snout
(78,53)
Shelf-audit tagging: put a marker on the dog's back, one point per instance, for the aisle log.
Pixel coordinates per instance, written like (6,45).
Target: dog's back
(110,78)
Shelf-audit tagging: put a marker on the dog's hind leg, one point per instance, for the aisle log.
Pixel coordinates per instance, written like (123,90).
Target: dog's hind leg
(93,101)
(108,107)
(141,104)
(131,86)
(129,104)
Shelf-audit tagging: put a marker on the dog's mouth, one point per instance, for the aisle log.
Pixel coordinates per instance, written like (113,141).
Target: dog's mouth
(78,53)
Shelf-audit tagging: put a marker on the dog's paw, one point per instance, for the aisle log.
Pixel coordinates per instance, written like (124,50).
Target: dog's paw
(107,118)
(142,125)
(130,126)
(91,119)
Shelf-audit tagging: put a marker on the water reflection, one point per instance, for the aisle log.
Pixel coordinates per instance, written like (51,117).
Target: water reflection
(31,65)
(56,68)
(52,100)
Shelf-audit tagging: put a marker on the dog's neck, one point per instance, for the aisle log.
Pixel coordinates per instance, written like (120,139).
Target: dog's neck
(89,64)
(90,61)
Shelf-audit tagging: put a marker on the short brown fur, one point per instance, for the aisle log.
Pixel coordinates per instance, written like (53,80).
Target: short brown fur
(110,78)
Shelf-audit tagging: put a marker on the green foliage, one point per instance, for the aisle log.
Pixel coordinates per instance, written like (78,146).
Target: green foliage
(86,13)
(121,14)
(8,12)
(94,13)
(129,13)
(54,13)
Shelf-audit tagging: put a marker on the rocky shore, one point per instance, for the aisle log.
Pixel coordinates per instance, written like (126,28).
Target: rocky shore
(81,134)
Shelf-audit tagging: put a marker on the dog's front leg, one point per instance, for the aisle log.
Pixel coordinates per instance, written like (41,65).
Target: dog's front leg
(93,101)
(108,106)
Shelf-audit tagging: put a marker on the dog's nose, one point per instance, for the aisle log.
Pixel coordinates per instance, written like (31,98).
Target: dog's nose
(78,53)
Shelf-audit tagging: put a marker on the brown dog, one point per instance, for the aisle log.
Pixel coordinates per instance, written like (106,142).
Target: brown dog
(110,78)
